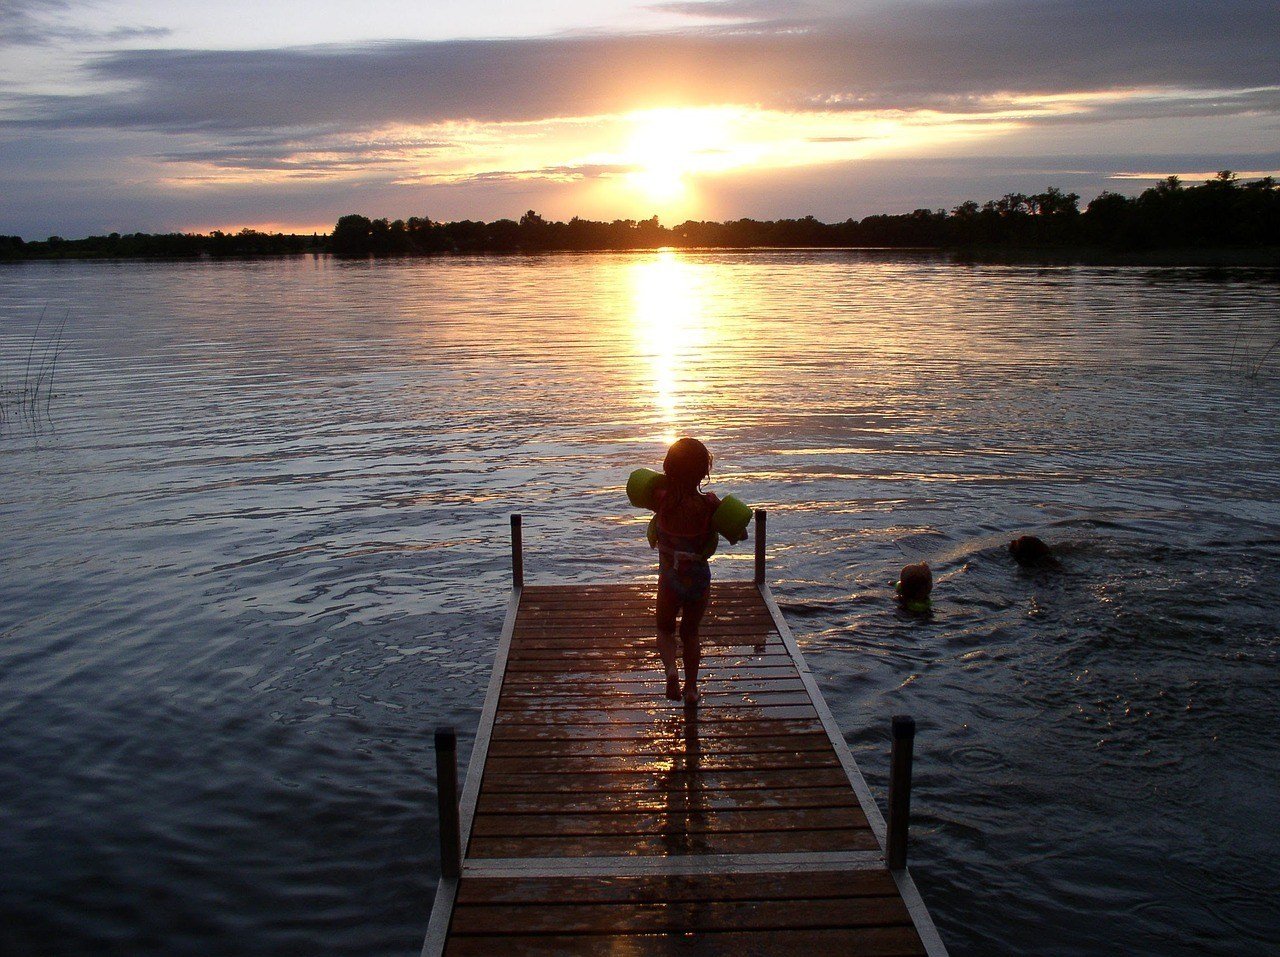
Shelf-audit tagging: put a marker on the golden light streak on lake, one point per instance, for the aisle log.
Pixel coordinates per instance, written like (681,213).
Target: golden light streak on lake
(673,323)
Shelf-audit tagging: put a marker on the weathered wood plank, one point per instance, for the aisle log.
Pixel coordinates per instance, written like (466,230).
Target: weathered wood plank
(648,715)
(673,780)
(610,611)
(622,675)
(679,887)
(863,942)
(635,616)
(716,611)
(515,691)
(771,652)
(570,638)
(658,764)
(635,647)
(688,842)
(608,802)
(620,706)
(664,728)
(642,647)
(677,820)
(685,917)
(624,747)
(592,662)
(629,668)
(636,589)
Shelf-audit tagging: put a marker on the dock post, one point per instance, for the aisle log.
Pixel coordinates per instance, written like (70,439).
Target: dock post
(517,553)
(760,531)
(904,733)
(447,800)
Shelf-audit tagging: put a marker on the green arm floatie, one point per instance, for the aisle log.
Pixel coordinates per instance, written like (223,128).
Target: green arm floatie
(642,485)
(731,519)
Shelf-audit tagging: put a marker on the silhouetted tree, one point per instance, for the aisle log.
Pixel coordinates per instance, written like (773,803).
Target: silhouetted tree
(1221,212)
(352,236)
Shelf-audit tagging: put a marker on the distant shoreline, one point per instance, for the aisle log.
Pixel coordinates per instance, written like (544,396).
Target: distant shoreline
(1222,222)
(1257,257)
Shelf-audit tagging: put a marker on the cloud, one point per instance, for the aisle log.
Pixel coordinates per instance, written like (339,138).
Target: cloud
(318,156)
(568,173)
(20,24)
(1189,105)
(120,34)
(914,56)
(41,23)
(765,10)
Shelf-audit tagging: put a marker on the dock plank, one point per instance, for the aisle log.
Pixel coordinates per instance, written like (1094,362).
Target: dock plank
(607,802)
(655,746)
(683,817)
(860,942)
(684,916)
(680,887)
(674,842)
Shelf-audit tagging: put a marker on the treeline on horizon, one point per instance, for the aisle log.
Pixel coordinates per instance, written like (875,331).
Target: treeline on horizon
(1223,212)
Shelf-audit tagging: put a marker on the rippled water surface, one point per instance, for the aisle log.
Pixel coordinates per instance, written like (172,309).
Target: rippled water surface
(254,551)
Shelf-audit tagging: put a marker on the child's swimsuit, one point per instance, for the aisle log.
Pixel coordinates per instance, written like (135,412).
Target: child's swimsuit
(682,569)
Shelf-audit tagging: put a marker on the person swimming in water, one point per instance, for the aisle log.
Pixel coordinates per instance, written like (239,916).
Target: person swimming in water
(1032,552)
(915,584)
(684,524)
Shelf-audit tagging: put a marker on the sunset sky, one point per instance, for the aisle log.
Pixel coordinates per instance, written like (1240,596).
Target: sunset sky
(151,115)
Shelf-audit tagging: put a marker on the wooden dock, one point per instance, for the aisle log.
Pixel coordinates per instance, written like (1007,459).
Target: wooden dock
(600,818)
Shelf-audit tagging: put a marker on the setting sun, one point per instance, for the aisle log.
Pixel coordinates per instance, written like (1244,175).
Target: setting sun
(668,147)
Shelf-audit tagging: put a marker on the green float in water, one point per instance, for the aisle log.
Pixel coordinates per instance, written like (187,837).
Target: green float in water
(918,606)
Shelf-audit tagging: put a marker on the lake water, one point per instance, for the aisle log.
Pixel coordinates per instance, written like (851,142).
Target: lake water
(254,551)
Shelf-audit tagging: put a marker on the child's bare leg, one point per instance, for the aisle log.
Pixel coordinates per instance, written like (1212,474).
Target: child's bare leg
(667,607)
(689,623)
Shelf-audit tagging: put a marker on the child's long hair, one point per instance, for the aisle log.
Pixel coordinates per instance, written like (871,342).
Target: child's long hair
(687,466)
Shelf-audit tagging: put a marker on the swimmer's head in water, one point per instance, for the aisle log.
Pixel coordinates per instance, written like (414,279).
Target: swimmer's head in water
(687,464)
(915,582)
(1029,550)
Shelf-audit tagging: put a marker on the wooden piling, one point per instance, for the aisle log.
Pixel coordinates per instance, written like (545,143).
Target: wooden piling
(761,516)
(447,803)
(904,734)
(517,552)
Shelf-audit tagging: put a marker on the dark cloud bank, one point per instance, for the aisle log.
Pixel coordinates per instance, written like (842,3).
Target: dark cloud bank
(944,56)
(26,23)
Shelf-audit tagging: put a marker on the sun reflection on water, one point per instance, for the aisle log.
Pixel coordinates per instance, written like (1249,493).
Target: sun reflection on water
(673,326)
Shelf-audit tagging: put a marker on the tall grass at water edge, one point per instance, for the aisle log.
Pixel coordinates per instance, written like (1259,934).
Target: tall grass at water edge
(28,401)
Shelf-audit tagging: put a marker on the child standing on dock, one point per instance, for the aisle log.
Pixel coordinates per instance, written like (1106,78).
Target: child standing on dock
(684,514)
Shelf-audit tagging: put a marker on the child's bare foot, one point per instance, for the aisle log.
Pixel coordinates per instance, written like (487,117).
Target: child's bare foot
(673,686)
(691,696)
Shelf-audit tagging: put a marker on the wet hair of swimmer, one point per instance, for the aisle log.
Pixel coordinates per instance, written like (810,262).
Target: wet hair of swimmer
(687,464)
(1029,550)
(915,581)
